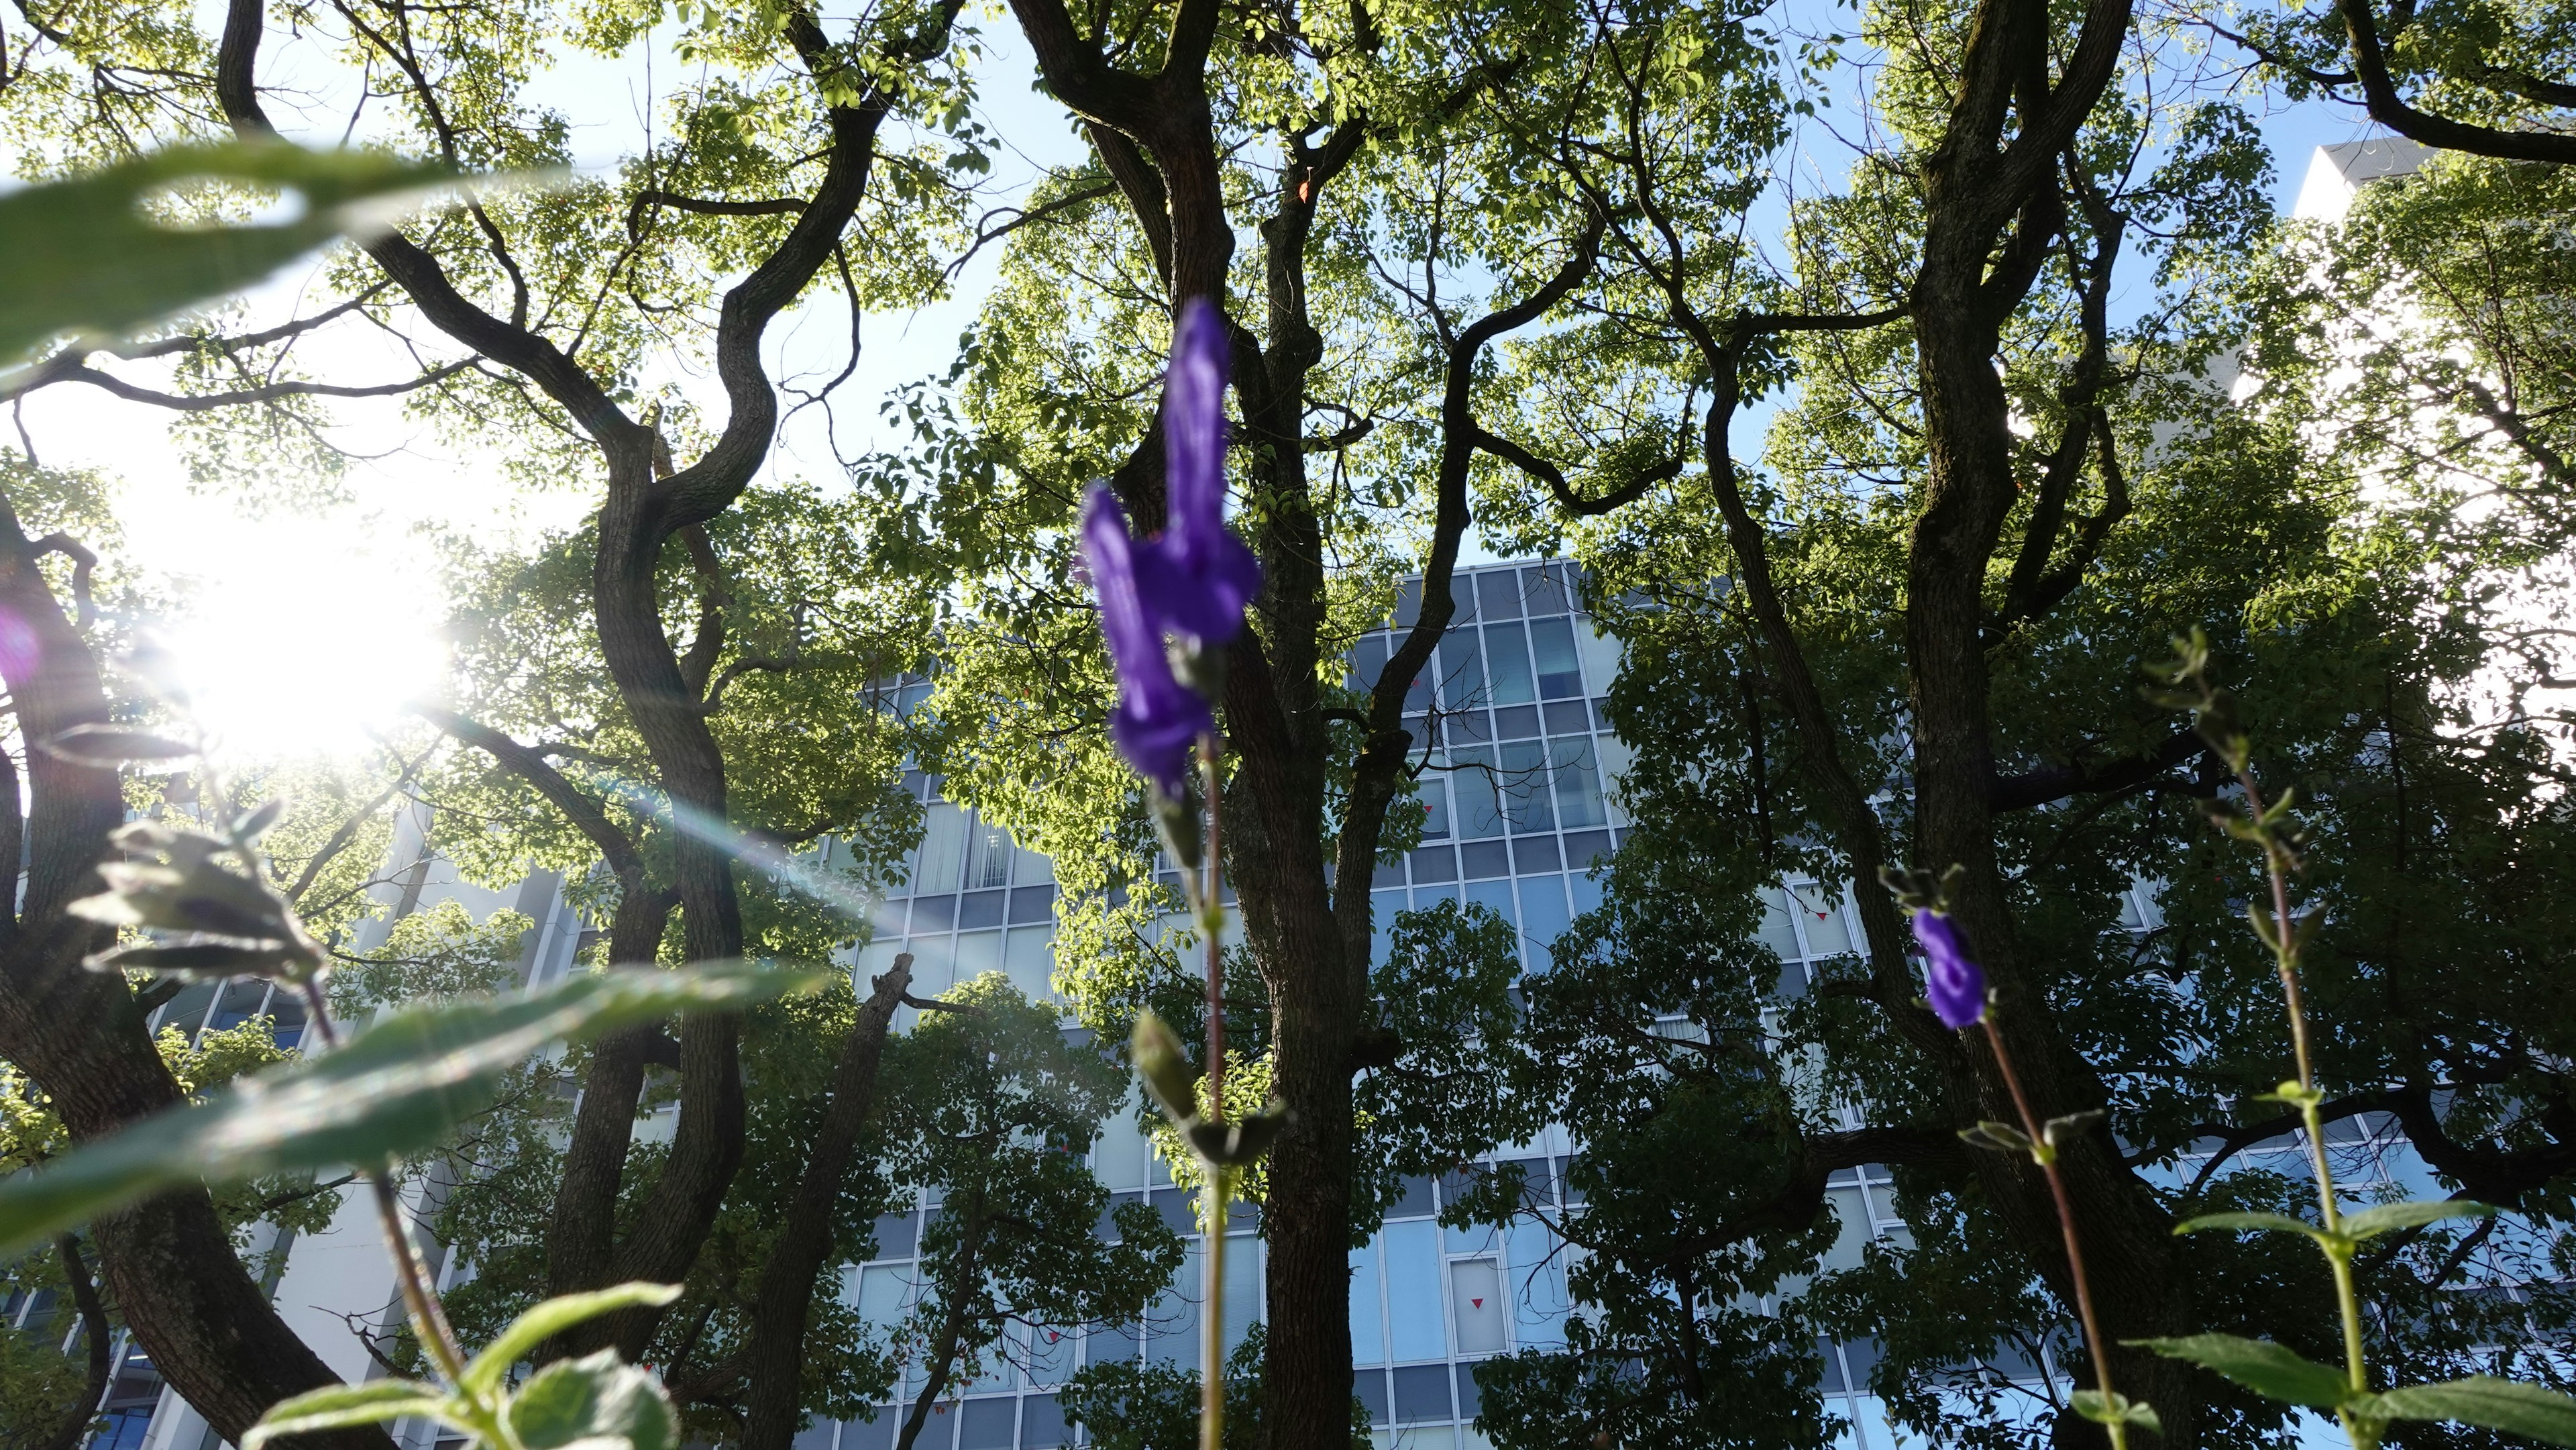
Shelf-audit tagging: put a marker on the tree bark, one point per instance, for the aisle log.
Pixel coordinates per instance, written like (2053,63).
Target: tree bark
(782,1309)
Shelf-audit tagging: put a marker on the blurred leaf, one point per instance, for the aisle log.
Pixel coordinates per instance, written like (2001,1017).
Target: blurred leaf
(2275,1371)
(199,897)
(255,823)
(592,1399)
(340,1406)
(108,746)
(200,958)
(391,1089)
(2116,1409)
(2415,1214)
(553,1317)
(84,255)
(2482,1400)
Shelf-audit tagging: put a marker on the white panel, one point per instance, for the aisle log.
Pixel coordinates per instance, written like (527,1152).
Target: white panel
(1476,1305)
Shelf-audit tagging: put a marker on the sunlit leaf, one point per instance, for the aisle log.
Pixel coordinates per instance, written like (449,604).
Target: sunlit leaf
(391,1089)
(2416,1214)
(85,255)
(338,1407)
(203,958)
(2531,1411)
(591,1399)
(551,1318)
(2280,1223)
(2275,1371)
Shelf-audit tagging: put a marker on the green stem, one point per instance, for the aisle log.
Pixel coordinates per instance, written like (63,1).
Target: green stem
(2285,956)
(2045,1153)
(1220,1179)
(1212,1335)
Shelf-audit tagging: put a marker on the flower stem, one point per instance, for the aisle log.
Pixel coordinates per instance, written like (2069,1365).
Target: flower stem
(2284,941)
(2046,1153)
(420,1300)
(1220,1179)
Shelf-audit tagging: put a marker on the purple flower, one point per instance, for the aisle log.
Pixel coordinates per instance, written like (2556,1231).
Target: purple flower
(1157,716)
(1200,576)
(1955,985)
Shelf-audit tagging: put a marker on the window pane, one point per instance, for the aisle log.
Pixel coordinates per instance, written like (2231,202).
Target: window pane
(1242,1286)
(1435,808)
(1413,1290)
(1777,934)
(1479,808)
(1498,594)
(1030,962)
(1537,1284)
(1507,662)
(882,1288)
(1820,912)
(1462,676)
(1383,905)
(943,847)
(1853,1217)
(978,952)
(1546,588)
(1173,1321)
(1368,660)
(1543,917)
(1578,783)
(1118,1158)
(1034,868)
(1496,895)
(1368,1332)
(1560,674)
(988,856)
(1526,787)
(1600,657)
(1476,1304)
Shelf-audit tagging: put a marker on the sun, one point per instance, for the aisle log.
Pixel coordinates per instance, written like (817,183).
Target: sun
(300,637)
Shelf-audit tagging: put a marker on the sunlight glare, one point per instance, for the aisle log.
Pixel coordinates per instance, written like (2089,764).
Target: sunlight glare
(304,636)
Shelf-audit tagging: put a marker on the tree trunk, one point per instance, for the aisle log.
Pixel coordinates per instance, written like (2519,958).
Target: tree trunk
(785,1302)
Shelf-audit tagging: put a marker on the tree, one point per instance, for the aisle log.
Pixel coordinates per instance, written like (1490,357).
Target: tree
(545,322)
(1363,159)
(1990,506)
(996,1112)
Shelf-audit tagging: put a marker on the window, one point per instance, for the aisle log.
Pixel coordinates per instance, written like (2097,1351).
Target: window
(1462,673)
(1368,1333)
(1578,783)
(1560,671)
(1413,1291)
(1435,808)
(1526,787)
(1820,913)
(1498,594)
(1368,661)
(1479,810)
(1507,662)
(943,846)
(1600,654)
(988,856)
(1476,1305)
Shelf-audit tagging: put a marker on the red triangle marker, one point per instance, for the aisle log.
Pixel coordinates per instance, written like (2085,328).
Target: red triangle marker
(1479,1303)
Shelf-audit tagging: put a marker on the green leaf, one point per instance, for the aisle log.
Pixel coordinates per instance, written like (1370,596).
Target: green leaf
(2116,1409)
(2495,1404)
(2275,1371)
(109,746)
(85,255)
(593,1398)
(1166,1072)
(2258,1222)
(2416,1214)
(2002,1137)
(391,1089)
(551,1318)
(204,958)
(337,1407)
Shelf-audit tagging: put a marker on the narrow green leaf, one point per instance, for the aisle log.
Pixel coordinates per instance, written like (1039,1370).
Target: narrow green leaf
(2415,1214)
(391,1090)
(2280,1223)
(2116,1409)
(336,1407)
(2515,1408)
(85,255)
(551,1318)
(590,1399)
(2275,1371)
